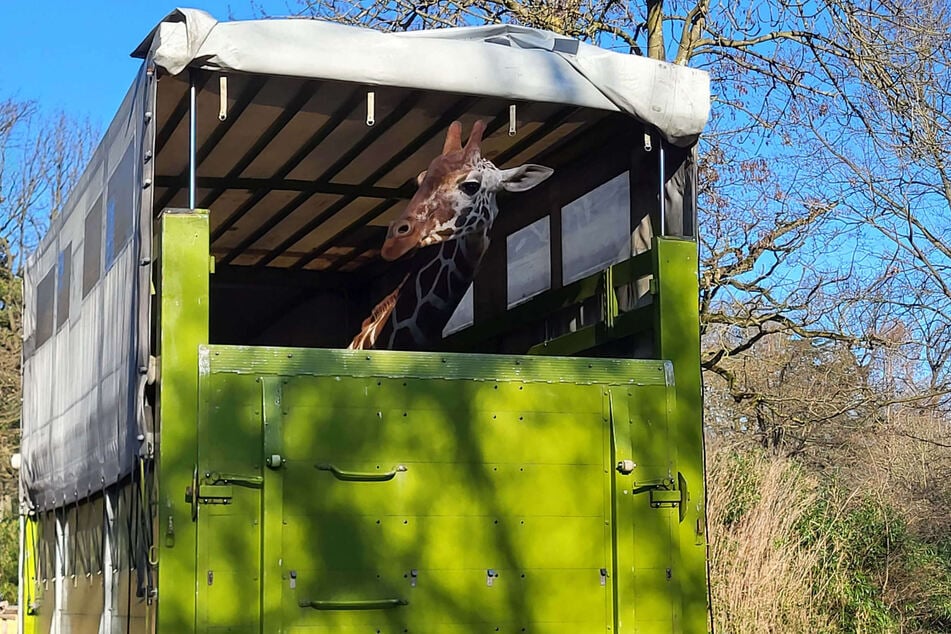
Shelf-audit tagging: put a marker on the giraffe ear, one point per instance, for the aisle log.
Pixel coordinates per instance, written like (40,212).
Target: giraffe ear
(524,177)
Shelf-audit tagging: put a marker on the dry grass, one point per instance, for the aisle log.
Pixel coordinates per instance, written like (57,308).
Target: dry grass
(763,579)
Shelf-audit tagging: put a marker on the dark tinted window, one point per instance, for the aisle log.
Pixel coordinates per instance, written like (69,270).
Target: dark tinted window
(120,206)
(64,265)
(528,257)
(44,307)
(92,247)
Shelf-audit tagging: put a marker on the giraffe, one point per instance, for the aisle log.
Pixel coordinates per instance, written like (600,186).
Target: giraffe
(444,233)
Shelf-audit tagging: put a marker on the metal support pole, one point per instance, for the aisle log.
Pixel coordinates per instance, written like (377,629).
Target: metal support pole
(192,139)
(662,190)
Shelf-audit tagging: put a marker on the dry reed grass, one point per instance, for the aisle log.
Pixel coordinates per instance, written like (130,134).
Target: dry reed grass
(763,578)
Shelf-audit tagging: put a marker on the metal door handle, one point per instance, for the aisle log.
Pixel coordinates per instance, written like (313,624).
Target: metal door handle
(251,481)
(360,476)
(366,604)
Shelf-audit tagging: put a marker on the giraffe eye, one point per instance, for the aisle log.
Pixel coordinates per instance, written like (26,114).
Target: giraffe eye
(470,188)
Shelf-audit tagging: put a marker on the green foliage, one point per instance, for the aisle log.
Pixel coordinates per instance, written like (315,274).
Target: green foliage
(876,575)
(927,572)
(842,556)
(10,302)
(9,549)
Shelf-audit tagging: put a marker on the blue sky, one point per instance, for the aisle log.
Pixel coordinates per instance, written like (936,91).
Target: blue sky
(74,56)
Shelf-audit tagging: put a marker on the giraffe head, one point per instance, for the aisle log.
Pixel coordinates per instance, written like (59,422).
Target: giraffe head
(456,195)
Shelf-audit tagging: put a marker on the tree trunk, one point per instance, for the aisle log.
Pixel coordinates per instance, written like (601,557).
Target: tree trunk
(655,29)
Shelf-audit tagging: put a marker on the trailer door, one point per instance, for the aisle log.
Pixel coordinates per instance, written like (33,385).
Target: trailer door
(395,492)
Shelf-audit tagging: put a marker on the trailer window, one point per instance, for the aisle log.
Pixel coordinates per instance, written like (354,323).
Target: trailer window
(596,229)
(92,247)
(528,254)
(44,307)
(64,265)
(119,206)
(463,317)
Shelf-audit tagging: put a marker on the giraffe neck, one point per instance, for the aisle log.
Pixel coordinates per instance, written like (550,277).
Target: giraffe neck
(414,315)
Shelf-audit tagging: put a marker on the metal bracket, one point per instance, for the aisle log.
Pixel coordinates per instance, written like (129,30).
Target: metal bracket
(218,488)
(222,98)
(371,108)
(665,496)
(249,481)
(215,494)
(490,576)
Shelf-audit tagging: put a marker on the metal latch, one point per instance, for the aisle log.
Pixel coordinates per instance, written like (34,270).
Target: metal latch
(215,494)
(250,481)
(218,488)
(669,498)
(490,577)
(664,497)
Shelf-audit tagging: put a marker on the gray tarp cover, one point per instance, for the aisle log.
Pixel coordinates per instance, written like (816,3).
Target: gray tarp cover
(499,61)
(83,339)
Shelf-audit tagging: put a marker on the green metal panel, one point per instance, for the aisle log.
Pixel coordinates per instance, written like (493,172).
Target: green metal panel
(430,493)
(272,549)
(229,588)
(347,491)
(678,340)
(32,591)
(183,325)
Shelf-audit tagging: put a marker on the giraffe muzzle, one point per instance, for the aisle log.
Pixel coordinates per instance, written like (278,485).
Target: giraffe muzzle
(401,238)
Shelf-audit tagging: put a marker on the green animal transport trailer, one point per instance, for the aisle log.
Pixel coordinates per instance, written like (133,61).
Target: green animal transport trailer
(202,454)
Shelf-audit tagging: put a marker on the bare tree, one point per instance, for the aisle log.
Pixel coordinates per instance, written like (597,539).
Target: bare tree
(41,157)
(808,231)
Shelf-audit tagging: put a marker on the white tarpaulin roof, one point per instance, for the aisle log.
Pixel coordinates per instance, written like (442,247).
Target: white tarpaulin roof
(500,61)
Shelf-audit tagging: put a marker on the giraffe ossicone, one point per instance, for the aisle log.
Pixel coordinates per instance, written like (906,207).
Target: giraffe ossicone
(444,231)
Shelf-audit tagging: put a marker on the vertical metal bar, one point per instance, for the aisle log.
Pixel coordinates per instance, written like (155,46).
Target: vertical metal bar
(59,573)
(21,560)
(183,327)
(662,191)
(192,138)
(272,412)
(108,572)
(677,328)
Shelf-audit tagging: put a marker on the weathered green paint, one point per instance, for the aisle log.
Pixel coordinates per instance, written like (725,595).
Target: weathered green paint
(331,475)
(229,541)
(262,361)
(485,463)
(30,589)
(183,325)
(678,340)
(272,552)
